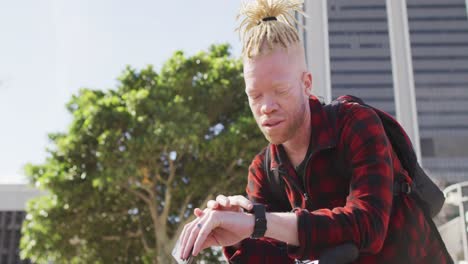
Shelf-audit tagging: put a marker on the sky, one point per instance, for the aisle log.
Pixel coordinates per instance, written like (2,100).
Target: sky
(50,49)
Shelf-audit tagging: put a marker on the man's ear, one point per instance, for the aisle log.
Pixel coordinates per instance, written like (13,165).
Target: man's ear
(307,81)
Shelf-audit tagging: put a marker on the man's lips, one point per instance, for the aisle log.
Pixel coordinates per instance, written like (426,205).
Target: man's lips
(271,123)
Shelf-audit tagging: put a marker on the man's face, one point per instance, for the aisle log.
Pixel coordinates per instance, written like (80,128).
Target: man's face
(277,93)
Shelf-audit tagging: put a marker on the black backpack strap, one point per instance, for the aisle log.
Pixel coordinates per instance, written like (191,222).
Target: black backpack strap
(332,110)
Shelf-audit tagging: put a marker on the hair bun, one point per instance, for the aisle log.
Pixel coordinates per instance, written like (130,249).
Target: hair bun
(272,21)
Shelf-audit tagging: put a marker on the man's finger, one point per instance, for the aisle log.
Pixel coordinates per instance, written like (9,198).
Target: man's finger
(212,204)
(186,246)
(223,200)
(241,201)
(198,212)
(183,238)
(202,235)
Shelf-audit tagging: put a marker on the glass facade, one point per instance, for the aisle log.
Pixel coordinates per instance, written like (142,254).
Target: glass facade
(360,58)
(10,230)
(439,46)
(360,64)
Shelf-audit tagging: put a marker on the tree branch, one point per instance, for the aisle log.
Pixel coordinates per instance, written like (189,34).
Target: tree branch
(111,238)
(128,235)
(140,185)
(159,178)
(143,239)
(184,206)
(140,195)
(168,194)
(231,167)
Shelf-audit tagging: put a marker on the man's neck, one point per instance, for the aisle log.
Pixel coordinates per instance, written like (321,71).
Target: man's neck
(296,148)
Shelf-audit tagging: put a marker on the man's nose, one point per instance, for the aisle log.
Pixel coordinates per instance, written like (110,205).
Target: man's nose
(269,105)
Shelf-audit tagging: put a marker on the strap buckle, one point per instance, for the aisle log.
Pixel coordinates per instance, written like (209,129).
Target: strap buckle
(406,188)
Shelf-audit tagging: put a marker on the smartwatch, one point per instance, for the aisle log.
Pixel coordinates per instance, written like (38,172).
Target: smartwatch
(260,225)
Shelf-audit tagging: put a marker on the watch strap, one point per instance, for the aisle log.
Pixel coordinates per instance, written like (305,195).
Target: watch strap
(260,225)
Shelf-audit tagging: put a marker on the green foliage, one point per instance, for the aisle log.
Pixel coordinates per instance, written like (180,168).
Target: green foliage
(135,161)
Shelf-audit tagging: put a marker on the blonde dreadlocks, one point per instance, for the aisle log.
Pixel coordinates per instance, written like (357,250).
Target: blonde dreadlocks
(268,22)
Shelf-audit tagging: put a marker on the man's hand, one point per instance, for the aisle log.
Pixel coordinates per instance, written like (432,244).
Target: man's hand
(215,228)
(237,203)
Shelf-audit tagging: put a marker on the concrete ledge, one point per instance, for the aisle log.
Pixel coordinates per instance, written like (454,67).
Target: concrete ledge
(13,197)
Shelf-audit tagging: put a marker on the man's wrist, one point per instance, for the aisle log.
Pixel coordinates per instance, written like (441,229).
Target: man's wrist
(282,227)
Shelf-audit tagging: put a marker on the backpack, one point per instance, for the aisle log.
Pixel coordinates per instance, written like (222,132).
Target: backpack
(425,192)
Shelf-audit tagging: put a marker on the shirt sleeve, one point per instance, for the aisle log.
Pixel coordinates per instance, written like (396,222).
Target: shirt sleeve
(364,218)
(264,250)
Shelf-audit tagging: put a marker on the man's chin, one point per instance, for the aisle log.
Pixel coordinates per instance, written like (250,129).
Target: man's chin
(274,140)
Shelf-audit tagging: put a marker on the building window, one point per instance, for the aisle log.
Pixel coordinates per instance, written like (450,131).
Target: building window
(8,216)
(7,239)
(19,218)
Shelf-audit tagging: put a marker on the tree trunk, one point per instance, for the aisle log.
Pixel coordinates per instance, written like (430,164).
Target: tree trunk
(164,253)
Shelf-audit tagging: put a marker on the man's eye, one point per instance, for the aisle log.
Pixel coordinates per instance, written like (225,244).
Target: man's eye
(255,96)
(283,91)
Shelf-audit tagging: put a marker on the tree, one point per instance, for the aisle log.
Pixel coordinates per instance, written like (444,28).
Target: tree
(123,180)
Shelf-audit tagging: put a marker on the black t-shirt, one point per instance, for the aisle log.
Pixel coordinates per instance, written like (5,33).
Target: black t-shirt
(300,168)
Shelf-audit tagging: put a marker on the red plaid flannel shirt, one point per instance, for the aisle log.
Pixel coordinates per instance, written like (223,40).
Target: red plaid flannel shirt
(359,208)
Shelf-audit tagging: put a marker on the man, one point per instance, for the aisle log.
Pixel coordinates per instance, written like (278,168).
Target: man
(332,204)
